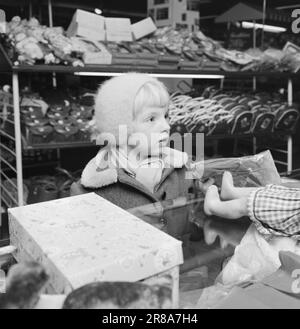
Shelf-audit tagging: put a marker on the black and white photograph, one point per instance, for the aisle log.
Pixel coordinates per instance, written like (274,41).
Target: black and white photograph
(149,157)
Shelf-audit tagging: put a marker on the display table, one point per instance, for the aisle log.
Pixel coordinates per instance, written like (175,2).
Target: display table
(86,238)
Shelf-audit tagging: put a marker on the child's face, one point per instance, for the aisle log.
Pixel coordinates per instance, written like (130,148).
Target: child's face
(151,130)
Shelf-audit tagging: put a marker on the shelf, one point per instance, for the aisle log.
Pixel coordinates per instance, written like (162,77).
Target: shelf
(40,164)
(34,165)
(53,145)
(108,70)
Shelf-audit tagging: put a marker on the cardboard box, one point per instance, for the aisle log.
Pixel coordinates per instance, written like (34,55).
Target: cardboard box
(143,28)
(113,24)
(86,24)
(86,32)
(88,19)
(86,238)
(118,29)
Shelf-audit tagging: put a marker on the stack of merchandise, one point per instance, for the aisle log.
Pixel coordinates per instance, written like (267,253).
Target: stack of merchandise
(145,57)
(45,188)
(178,47)
(287,59)
(93,39)
(217,112)
(41,188)
(166,59)
(122,54)
(28,42)
(62,122)
(34,43)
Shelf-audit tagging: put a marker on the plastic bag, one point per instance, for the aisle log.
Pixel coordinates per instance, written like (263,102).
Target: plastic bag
(254,170)
(255,258)
(212,295)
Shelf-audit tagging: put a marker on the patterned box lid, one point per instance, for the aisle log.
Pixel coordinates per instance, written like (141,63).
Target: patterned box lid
(86,238)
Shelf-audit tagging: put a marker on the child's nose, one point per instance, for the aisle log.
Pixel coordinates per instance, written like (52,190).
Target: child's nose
(165,126)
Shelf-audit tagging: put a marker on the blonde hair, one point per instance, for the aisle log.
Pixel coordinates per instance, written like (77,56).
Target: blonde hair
(151,94)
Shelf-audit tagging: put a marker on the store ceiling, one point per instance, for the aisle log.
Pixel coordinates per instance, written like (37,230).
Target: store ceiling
(136,9)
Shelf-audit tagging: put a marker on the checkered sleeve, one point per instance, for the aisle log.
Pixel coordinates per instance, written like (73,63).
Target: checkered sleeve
(251,208)
(275,210)
(281,188)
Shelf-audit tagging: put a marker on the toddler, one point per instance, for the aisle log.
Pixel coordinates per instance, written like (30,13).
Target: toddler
(136,167)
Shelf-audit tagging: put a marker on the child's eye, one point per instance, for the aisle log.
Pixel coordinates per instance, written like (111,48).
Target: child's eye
(167,116)
(152,118)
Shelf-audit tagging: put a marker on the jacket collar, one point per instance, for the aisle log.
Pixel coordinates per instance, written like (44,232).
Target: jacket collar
(95,177)
(124,178)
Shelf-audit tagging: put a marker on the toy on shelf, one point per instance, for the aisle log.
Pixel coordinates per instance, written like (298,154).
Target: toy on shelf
(216,112)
